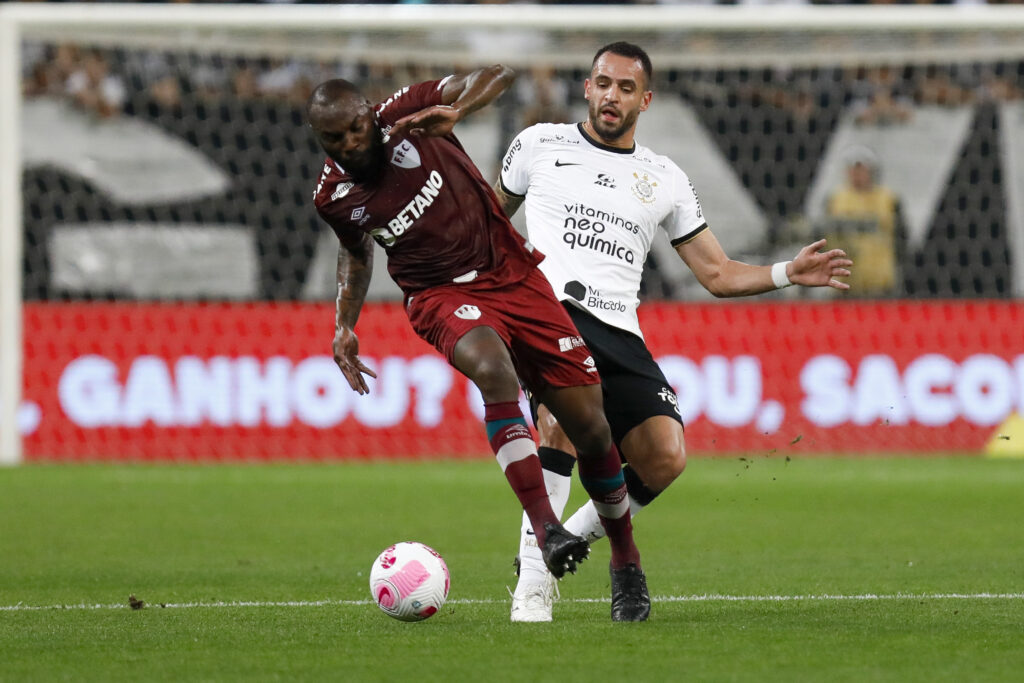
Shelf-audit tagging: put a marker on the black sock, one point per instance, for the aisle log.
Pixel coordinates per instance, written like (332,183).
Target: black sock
(636,488)
(554,460)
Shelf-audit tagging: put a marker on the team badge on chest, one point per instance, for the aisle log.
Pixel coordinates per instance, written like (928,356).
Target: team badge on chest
(643,188)
(405,155)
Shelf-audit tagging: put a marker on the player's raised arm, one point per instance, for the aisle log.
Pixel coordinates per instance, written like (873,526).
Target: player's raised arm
(460,96)
(355,265)
(477,89)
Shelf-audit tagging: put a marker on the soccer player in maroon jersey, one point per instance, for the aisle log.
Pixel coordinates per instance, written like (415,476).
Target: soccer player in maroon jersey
(396,174)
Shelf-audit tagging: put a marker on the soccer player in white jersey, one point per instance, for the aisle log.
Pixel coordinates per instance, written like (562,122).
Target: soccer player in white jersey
(594,199)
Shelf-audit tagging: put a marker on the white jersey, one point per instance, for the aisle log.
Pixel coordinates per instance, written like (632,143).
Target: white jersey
(593,211)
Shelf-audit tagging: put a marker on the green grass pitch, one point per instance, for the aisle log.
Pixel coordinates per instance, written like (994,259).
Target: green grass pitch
(762,569)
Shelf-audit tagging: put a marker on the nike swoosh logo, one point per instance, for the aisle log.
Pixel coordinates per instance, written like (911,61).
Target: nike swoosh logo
(529,532)
(559,164)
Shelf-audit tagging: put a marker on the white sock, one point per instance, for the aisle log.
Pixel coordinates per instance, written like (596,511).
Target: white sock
(531,562)
(585,522)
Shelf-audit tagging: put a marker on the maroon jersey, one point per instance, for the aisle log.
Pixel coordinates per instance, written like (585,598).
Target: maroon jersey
(431,210)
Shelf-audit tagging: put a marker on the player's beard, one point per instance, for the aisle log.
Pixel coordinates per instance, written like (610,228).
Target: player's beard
(368,165)
(610,132)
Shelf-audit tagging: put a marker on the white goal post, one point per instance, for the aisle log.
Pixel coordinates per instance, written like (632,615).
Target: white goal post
(761,37)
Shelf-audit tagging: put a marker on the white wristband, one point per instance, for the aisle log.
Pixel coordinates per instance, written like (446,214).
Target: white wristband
(779,276)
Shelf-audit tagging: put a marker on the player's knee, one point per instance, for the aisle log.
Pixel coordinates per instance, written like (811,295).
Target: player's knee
(593,439)
(669,464)
(662,463)
(580,413)
(496,380)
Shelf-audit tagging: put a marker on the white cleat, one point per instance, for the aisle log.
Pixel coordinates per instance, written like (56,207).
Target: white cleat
(532,600)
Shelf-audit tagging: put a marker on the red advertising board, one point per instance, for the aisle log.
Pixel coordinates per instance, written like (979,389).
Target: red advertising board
(257,381)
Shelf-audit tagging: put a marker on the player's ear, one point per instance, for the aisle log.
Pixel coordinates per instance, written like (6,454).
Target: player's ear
(586,88)
(646,100)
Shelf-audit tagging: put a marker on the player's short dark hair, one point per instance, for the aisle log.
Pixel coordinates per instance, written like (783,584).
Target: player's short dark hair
(631,51)
(328,93)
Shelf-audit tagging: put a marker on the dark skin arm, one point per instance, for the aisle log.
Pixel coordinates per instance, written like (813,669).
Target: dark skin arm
(355,265)
(510,203)
(461,96)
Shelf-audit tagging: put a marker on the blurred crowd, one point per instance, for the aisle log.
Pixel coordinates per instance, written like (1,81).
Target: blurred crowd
(566,2)
(787,118)
(879,94)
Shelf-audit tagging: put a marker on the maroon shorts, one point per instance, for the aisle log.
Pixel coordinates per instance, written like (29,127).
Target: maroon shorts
(545,346)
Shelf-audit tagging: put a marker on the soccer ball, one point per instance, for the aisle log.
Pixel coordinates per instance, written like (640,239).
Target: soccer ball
(409,581)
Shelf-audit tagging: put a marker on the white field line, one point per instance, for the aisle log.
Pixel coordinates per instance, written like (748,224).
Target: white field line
(824,597)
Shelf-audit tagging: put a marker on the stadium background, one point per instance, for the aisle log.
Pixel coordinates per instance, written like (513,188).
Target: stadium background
(177,285)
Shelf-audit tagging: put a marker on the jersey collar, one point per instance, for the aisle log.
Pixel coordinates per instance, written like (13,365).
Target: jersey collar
(601,145)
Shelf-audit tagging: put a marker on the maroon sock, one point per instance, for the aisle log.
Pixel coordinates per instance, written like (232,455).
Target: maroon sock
(603,479)
(516,452)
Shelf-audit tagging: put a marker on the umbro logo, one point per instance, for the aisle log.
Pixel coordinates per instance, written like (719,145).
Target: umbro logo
(559,164)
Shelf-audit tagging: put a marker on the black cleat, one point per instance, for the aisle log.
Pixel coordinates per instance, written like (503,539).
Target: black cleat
(630,600)
(562,551)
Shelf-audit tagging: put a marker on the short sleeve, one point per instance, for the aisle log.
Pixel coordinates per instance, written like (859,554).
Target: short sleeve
(411,99)
(686,220)
(515,167)
(344,231)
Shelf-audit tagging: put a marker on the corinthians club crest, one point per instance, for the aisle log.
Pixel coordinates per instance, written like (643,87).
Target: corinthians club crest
(643,188)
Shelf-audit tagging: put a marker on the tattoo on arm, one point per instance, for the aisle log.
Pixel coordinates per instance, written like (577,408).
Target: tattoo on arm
(509,203)
(355,266)
(478,89)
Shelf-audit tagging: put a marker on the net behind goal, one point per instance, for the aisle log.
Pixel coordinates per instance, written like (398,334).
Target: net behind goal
(167,286)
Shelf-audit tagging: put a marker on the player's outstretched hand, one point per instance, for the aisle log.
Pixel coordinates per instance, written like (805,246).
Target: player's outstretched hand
(434,121)
(815,268)
(346,355)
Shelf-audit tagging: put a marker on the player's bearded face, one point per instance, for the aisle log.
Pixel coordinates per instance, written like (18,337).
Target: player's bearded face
(616,94)
(364,159)
(610,120)
(352,137)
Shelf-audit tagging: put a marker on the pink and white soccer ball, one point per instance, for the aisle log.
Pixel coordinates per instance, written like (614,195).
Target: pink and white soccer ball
(409,581)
